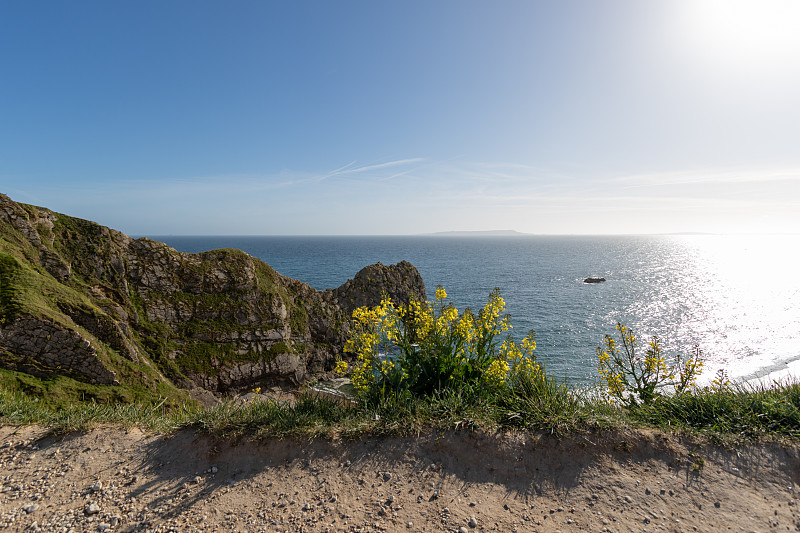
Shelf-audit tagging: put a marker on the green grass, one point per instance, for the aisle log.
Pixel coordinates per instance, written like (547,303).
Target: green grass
(740,410)
(738,413)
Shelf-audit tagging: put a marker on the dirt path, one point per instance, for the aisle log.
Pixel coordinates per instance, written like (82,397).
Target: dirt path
(116,480)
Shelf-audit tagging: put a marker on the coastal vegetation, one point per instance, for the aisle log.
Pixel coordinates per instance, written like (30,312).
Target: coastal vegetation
(423,366)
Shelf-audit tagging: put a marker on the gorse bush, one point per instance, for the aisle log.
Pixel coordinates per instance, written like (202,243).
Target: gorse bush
(420,349)
(632,379)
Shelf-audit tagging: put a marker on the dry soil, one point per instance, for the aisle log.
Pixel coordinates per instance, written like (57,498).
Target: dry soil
(112,479)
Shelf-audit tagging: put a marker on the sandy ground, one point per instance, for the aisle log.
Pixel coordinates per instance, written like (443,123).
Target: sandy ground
(112,479)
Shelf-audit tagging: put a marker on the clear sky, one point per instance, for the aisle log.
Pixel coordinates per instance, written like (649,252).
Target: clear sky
(373,117)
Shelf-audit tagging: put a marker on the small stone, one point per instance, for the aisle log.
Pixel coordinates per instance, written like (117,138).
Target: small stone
(198,479)
(214,469)
(646,520)
(387,476)
(306,507)
(102,526)
(560,509)
(462,529)
(97,486)
(570,521)
(506,507)
(410,525)
(31,507)
(91,509)
(347,463)
(628,499)
(717,505)
(473,522)
(647,491)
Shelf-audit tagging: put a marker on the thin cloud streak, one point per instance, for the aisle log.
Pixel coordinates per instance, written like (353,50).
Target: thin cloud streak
(716,176)
(521,197)
(346,169)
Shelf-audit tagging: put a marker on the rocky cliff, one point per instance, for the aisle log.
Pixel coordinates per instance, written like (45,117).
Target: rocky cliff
(85,301)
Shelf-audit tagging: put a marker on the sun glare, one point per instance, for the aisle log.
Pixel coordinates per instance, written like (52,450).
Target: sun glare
(745,36)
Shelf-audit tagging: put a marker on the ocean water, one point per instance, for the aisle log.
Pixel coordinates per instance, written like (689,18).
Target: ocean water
(737,297)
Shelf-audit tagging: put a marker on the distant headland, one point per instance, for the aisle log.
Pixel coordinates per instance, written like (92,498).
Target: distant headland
(485,233)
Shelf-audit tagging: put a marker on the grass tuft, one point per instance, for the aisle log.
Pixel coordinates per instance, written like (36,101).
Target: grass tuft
(739,409)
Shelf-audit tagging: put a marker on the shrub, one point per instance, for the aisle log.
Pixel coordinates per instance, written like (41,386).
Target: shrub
(631,379)
(421,349)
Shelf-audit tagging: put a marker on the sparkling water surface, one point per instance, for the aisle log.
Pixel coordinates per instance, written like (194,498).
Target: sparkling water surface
(737,297)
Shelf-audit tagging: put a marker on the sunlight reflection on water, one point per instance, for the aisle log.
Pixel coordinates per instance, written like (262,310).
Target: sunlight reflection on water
(734,295)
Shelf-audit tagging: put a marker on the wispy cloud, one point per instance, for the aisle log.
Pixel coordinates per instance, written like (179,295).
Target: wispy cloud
(711,176)
(427,192)
(376,168)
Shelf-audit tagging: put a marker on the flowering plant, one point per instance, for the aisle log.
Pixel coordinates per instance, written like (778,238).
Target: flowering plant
(630,378)
(421,348)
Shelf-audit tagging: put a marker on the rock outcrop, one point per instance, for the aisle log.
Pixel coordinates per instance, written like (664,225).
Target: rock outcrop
(83,300)
(594,280)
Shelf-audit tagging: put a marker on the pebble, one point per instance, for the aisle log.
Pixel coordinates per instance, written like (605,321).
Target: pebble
(473,522)
(387,476)
(31,507)
(462,529)
(91,509)
(628,499)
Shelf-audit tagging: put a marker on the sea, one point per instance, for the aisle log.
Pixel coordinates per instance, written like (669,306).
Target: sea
(737,297)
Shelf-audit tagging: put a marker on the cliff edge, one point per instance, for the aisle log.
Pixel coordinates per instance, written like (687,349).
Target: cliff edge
(78,299)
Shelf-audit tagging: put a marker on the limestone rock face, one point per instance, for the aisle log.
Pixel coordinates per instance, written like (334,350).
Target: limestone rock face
(79,298)
(399,282)
(38,347)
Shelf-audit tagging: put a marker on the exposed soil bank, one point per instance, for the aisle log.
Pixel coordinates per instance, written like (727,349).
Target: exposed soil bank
(112,479)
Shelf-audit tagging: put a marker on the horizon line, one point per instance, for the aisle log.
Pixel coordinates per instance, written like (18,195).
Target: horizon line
(467,233)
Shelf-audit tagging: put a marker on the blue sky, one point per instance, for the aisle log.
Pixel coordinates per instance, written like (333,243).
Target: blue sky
(350,117)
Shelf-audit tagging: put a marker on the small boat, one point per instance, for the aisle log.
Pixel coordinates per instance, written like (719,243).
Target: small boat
(594,280)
